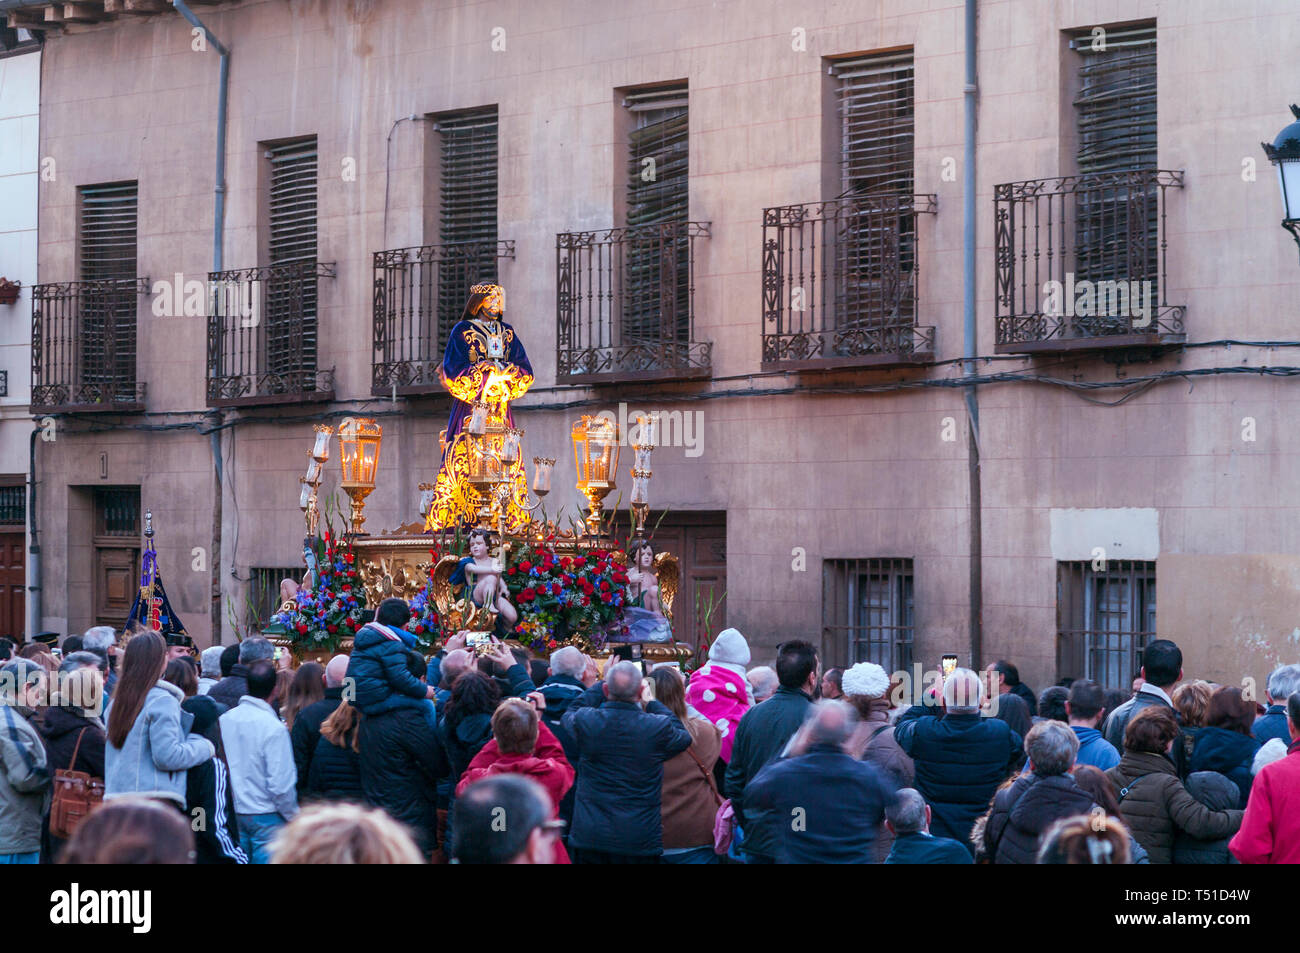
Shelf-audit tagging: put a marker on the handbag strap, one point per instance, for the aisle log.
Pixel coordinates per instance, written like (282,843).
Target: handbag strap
(77,750)
(708,775)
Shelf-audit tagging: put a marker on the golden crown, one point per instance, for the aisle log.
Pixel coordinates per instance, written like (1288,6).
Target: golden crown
(494,298)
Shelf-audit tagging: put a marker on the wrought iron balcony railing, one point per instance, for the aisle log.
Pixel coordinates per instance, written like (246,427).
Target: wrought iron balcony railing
(419,295)
(263,335)
(625,304)
(84,346)
(840,283)
(1081,263)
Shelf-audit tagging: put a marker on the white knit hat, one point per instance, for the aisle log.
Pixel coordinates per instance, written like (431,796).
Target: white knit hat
(865,678)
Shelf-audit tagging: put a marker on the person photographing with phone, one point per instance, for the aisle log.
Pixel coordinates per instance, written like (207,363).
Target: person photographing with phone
(623,737)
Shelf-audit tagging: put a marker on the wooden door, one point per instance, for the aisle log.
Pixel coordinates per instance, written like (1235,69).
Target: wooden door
(699,541)
(13,579)
(117,553)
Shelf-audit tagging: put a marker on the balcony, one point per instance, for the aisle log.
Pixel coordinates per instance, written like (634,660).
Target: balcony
(1082,263)
(83,346)
(262,336)
(419,296)
(840,284)
(625,303)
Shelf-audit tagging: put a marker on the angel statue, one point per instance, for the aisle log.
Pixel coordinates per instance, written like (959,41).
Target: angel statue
(484,367)
(482,590)
(645,615)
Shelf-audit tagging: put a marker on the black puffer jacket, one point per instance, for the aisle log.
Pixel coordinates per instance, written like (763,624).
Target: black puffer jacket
(401,762)
(232,688)
(1218,793)
(305,734)
(561,691)
(335,774)
(462,738)
(1023,811)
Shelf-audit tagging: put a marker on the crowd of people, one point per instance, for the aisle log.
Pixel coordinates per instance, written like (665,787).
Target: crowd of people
(148,753)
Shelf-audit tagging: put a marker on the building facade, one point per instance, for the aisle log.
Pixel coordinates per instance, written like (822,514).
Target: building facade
(744,216)
(20,77)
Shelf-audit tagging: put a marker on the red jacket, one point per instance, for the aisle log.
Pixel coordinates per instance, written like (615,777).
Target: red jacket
(546,765)
(1270,830)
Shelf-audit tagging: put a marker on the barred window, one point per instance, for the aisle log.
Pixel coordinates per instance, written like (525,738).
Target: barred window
(1106,615)
(13,505)
(117,512)
(264,591)
(868,612)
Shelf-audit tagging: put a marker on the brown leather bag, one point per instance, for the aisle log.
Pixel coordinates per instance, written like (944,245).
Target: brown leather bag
(76,794)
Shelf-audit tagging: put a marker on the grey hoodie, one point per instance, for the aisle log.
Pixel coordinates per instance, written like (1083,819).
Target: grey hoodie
(157,752)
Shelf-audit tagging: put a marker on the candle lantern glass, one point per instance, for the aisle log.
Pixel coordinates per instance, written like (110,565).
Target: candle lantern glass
(542,475)
(304,497)
(321,450)
(313,471)
(478,419)
(359,442)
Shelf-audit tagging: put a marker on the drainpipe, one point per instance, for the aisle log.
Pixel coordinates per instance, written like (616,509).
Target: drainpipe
(218,264)
(34,619)
(969,93)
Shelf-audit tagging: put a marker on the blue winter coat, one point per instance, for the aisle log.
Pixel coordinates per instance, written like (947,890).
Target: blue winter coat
(960,761)
(1272,724)
(827,806)
(380,678)
(621,772)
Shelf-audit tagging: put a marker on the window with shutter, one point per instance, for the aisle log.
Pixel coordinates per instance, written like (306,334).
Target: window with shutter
(1116,225)
(467,209)
(868,612)
(876,244)
(290,342)
(656,301)
(107,332)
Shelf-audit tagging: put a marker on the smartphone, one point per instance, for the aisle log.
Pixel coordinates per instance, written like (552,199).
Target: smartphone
(478,642)
(949,665)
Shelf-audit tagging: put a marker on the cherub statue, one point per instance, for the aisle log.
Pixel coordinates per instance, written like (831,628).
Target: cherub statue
(645,615)
(482,575)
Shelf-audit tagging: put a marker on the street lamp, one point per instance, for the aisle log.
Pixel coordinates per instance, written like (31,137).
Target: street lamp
(1285,154)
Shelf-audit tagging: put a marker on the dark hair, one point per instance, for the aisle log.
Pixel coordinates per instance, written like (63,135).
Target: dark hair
(479,531)
(143,664)
(1151,730)
(6,648)
(183,676)
(1051,703)
(473,694)
(1293,708)
(1228,709)
(1114,697)
(1093,782)
(634,548)
(1076,840)
(73,643)
(1010,674)
(493,818)
(229,659)
(1065,682)
(539,671)
(394,612)
(131,830)
(307,687)
(1162,663)
(1086,699)
(835,676)
(514,726)
(416,665)
(795,661)
(262,677)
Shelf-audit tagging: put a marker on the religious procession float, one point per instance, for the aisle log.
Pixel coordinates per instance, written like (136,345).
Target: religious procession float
(485,560)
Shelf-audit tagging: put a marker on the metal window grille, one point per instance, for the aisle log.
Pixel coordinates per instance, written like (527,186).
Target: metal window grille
(291,318)
(868,612)
(264,589)
(1117,229)
(117,511)
(656,310)
(13,505)
(1105,616)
